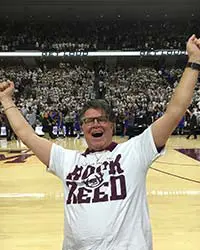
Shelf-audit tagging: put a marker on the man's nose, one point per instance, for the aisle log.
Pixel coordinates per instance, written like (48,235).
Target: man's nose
(96,121)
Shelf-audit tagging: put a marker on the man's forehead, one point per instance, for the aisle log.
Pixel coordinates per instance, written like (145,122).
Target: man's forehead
(94,112)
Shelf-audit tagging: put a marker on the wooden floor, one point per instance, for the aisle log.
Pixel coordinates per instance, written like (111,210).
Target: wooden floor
(31,200)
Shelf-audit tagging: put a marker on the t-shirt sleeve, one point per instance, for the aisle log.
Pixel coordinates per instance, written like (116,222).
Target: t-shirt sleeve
(60,160)
(145,148)
(148,147)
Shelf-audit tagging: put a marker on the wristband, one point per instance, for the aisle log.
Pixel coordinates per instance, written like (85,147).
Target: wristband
(192,65)
(13,106)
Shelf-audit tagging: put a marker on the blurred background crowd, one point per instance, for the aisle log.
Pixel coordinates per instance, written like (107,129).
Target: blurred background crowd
(51,93)
(95,35)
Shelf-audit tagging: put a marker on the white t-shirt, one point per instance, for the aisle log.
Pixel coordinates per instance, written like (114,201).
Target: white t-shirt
(105,195)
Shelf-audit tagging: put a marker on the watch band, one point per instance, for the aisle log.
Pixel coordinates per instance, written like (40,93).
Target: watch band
(192,65)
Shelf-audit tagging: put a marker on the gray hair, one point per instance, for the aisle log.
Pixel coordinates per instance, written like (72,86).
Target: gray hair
(99,104)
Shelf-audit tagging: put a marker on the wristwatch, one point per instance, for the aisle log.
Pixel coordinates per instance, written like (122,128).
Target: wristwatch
(192,65)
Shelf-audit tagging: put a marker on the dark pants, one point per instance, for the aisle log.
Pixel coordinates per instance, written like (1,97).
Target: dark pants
(193,131)
(69,128)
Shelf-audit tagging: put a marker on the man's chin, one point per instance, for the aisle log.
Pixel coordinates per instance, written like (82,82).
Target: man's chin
(98,146)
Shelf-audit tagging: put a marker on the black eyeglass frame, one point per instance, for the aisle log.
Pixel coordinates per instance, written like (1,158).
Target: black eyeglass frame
(91,120)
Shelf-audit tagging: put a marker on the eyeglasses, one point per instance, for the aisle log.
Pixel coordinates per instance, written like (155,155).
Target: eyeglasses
(91,120)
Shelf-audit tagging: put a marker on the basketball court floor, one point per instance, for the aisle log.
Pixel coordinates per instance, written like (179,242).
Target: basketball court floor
(31,200)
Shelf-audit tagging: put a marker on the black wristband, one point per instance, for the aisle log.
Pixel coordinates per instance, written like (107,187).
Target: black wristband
(192,65)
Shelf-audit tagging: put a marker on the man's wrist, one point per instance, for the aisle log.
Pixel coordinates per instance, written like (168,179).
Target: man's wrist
(7,102)
(194,59)
(10,107)
(193,65)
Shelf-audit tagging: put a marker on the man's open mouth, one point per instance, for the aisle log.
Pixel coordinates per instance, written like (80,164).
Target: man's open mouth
(97,134)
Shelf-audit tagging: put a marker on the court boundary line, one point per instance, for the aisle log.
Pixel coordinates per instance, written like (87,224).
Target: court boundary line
(175,175)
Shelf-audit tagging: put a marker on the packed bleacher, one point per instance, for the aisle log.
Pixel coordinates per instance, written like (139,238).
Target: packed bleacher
(95,35)
(53,95)
(138,95)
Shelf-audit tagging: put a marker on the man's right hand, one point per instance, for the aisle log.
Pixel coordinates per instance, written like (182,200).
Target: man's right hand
(193,49)
(6,90)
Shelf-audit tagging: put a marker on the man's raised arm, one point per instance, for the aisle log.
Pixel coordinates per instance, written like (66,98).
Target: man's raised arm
(182,96)
(41,147)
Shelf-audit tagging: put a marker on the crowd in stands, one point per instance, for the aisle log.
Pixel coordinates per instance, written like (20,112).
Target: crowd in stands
(138,95)
(95,35)
(53,96)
